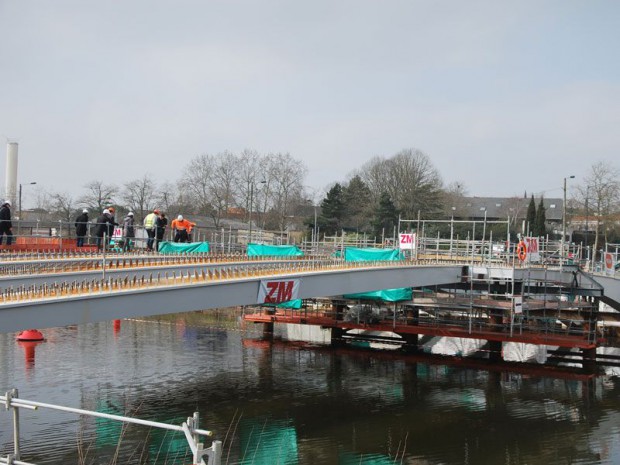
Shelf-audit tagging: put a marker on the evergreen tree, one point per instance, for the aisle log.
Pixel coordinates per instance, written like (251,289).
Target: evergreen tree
(358,200)
(530,218)
(385,217)
(540,228)
(332,211)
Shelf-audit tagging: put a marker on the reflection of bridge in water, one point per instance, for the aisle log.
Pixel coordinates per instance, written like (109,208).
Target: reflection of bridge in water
(556,307)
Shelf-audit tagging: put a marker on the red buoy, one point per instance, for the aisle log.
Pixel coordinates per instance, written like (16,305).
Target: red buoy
(30,335)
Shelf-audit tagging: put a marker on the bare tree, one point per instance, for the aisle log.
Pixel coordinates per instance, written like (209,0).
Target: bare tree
(602,191)
(284,186)
(62,208)
(210,183)
(167,198)
(196,182)
(223,185)
(250,172)
(409,178)
(99,195)
(139,196)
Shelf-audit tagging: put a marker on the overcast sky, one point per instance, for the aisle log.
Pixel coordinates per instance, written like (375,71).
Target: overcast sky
(503,96)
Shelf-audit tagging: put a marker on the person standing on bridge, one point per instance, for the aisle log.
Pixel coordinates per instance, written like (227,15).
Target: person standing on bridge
(160,228)
(81,227)
(111,224)
(6,227)
(181,228)
(129,232)
(149,227)
(102,228)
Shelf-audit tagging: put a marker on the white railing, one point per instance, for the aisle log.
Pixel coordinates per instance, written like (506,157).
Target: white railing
(190,428)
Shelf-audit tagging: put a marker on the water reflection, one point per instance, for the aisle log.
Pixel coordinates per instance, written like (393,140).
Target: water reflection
(29,352)
(292,404)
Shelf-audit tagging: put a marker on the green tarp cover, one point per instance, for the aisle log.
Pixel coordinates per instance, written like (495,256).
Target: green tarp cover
(387,295)
(256,250)
(353,254)
(295,304)
(183,247)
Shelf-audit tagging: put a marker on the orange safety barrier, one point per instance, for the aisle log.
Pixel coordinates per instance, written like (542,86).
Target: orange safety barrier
(45,243)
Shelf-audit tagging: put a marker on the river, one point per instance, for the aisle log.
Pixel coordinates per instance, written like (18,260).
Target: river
(290,404)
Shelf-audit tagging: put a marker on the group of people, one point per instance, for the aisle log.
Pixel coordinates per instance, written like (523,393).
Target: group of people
(154,223)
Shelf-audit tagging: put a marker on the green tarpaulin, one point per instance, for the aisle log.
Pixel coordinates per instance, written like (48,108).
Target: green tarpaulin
(261,250)
(295,304)
(387,295)
(183,247)
(353,254)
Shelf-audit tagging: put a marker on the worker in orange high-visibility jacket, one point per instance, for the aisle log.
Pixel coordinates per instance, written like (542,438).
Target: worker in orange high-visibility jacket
(182,229)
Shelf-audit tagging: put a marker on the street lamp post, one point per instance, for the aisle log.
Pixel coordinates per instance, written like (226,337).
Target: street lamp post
(315,231)
(251,206)
(564,219)
(587,215)
(20,198)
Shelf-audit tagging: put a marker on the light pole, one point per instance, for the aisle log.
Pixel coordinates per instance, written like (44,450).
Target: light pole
(315,230)
(251,205)
(587,215)
(20,198)
(564,218)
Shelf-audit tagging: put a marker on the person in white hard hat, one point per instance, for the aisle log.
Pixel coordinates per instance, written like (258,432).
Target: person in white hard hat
(182,229)
(6,227)
(128,232)
(102,229)
(81,227)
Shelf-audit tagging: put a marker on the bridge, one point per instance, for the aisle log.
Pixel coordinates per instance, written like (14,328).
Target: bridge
(51,290)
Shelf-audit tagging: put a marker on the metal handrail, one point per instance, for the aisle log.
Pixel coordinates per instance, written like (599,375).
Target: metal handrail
(190,428)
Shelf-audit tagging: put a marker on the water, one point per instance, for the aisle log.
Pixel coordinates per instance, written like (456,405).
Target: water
(290,404)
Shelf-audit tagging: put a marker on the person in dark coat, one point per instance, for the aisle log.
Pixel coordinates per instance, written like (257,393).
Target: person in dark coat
(160,228)
(102,228)
(112,223)
(81,227)
(6,227)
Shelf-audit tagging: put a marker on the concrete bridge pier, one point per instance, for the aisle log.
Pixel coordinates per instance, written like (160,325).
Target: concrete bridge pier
(496,351)
(589,359)
(337,333)
(411,340)
(411,343)
(590,332)
(268,328)
(496,347)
